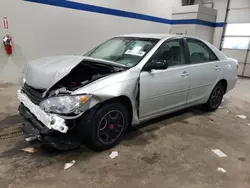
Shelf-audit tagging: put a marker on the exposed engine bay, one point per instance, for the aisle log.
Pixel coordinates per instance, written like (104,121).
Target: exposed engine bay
(61,95)
(83,74)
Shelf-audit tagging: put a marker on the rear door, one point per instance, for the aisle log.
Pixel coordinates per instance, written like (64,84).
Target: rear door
(204,68)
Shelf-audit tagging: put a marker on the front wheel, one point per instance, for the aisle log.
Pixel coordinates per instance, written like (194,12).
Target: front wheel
(215,98)
(107,127)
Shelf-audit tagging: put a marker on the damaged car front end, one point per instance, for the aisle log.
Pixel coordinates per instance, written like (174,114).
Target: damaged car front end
(51,115)
(68,99)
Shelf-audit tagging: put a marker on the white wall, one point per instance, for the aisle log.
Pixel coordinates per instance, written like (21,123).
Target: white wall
(199,12)
(220,6)
(41,30)
(159,8)
(239,12)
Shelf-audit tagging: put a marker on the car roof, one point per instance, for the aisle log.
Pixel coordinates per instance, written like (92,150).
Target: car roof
(157,36)
(148,35)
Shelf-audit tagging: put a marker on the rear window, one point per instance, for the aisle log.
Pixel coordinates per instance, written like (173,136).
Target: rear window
(200,52)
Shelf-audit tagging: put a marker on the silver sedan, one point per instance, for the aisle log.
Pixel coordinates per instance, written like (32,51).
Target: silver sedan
(123,82)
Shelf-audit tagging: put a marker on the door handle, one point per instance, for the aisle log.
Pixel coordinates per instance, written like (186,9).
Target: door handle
(228,66)
(217,67)
(185,74)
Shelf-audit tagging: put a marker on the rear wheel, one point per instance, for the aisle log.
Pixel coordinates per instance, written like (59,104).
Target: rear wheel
(215,98)
(107,127)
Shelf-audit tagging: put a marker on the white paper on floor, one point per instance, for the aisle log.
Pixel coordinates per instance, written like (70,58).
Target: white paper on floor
(29,149)
(248,124)
(220,107)
(221,169)
(30,139)
(242,116)
(70,164)
(113,154)
(219,153)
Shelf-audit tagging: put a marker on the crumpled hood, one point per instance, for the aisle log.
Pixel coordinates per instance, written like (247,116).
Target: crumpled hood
(43,73)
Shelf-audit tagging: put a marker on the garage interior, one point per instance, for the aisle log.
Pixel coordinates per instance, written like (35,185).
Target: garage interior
(171,151)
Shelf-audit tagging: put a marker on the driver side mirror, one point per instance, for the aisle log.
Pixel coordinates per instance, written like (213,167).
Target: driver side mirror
(157,65)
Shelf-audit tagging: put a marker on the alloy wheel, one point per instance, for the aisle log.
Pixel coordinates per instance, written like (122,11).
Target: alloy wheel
(111,127)
(216,97)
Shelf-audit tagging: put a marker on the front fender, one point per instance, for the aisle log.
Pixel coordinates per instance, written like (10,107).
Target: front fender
(122,84)
(127,88)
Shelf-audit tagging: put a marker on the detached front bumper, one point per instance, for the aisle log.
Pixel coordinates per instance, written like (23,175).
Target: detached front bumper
(47,128)
(32,127)
(51,121)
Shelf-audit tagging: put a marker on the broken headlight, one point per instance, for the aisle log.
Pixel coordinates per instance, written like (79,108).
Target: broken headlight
(22,80)
(64,104)
(22,75)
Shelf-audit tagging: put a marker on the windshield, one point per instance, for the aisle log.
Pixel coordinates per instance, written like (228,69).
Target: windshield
(124,50)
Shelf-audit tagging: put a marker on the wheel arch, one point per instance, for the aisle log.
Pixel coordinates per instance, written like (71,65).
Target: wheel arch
(224,83)
(123,99)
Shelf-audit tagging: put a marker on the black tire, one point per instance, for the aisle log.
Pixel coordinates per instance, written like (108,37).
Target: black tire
(104,132)
(215,98)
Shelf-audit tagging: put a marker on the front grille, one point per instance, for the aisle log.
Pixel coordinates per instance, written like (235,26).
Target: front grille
(35,95)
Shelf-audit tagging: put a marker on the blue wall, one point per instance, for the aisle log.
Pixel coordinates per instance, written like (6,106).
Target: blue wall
(121,13)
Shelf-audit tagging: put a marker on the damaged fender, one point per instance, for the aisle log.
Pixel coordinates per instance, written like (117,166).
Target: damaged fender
(102,80)
(115,86)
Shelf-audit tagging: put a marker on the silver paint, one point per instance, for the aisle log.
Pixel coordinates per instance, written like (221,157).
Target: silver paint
(45,72)
(161,91)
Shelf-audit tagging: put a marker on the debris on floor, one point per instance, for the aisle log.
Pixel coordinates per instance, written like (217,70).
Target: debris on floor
(219,153)
(248,124)
(242,116)
(220,107)
(113,155)
(70,164)
(30,139)
(221,170)
(29,149)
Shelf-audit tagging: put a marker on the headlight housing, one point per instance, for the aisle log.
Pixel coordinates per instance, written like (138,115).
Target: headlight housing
(22,75)
(22,80)
(64,104)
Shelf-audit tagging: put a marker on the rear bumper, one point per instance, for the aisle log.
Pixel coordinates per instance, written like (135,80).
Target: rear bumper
(231,83)
(32,127)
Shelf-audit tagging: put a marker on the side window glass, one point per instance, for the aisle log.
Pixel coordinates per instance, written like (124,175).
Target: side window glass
(199,52)
(172,52)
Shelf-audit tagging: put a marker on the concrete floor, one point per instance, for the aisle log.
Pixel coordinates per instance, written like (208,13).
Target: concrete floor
(172,151)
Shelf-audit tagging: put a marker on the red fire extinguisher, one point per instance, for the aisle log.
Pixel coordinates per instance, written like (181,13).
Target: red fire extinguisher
(7,41)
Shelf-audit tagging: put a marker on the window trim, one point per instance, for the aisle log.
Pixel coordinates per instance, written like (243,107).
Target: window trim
(169,40)
(206,46)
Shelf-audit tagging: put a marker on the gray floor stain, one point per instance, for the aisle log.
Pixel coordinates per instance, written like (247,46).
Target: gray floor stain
(170,151)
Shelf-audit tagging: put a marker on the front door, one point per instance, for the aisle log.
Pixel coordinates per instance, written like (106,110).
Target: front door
(164,90)
(204,69)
